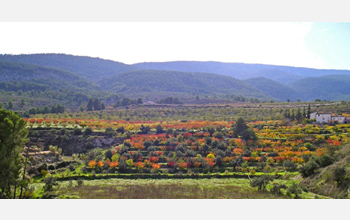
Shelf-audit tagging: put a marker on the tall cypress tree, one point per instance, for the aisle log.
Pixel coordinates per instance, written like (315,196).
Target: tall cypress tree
(90,105)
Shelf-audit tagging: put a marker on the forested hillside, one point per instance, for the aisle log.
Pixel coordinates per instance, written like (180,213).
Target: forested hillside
(331,87)
(274,89)
(183,83)
(282,74)
(72,80)
(93,69)
(39,86)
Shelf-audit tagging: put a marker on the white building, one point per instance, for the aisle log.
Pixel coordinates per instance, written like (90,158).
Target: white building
(328,118)
(313,115)
(323,117)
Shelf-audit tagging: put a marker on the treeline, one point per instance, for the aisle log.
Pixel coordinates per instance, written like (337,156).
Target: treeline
(127,101)
(298,114)
(95,105)
(243,99)
(169,100)
(44,110)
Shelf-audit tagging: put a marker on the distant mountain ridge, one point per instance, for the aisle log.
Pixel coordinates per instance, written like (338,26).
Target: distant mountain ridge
(90,68)
(274,89)
(141,81)
(242,70)
(329,87)
(94,76)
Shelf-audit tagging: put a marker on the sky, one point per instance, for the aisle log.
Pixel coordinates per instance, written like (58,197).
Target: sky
(314,45)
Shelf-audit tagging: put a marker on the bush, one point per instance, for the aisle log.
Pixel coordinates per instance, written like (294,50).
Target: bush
(218,160)
(289,165)
(338,174)
(294,190)
(325,160)
(110,132)
(63,131)
(309,168)
(88,131)
(77,131)
(109,154)
(121,130)
(276,189)
(261,182)
(71,167)
(49,183)
(218,135)
(147,144)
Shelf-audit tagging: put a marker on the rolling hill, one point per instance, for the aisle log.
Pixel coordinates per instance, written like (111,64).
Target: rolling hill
(282,74)
(175,82)
(45,73)
(274,89)
(42,85)
(92,69)
(330,87)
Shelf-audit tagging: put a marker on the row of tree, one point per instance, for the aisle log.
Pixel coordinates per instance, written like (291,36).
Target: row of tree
(170,100)
(44,110)
(126,101)
(95,105)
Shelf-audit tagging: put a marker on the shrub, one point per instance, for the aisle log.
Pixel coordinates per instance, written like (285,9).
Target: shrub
(276,189)
(218,135)
(211,156)
(49,183)
(289,165)
(63,131)
(71,167)
(88,131)
(110,132)
(294,190)
(159,129)
(338,174)
(325,160)
(309,168)
(121,130)
(77,131)
(261,182)
(147,144)
(109,154)
(179,154)
(218,160)
(93,173)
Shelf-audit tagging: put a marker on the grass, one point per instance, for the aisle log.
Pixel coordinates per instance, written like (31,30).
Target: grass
(169,189)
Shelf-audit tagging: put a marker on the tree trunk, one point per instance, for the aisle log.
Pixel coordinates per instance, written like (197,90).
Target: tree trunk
(14,192)
(9,190)
(24,172)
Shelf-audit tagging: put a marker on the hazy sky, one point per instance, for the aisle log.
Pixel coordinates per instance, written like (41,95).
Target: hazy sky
(315,45)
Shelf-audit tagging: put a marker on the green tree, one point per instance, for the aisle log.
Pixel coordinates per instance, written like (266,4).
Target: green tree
(261,182)
(90,105)
(139,101)
(309,168)
(294,190)
(10,105)
(97,105)
(308,111)
(160,129)
(240,127)
(13,136)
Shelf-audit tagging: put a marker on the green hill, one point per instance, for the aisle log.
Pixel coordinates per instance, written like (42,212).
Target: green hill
(38,86)
(93,69)
(274,89)
(331,87)
(173,82)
